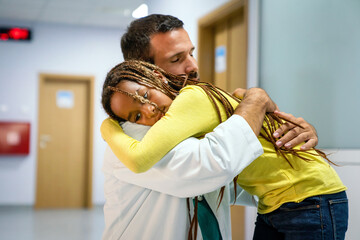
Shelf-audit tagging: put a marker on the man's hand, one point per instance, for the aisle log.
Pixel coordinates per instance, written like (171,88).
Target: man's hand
(253,107)
(239,93)
(295,135)
(260,94)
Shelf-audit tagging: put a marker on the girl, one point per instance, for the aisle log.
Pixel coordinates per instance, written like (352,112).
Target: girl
(300,195)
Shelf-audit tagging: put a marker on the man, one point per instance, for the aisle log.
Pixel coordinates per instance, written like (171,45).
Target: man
(152,205)
(162,40)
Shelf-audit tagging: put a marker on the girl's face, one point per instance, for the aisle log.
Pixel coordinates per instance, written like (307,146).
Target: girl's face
(129,107)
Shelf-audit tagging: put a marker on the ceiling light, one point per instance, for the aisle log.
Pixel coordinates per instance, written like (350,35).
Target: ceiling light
(141,11)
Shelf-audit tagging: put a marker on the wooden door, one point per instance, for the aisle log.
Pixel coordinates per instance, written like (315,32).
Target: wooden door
(64,142)
(222,46)
(222,58)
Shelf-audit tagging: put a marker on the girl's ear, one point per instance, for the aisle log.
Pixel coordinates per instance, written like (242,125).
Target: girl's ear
(160,76)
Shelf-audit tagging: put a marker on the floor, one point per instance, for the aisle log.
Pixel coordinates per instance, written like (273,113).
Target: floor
(25,223)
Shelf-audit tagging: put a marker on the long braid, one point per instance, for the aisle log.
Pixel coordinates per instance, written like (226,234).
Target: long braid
(143,73)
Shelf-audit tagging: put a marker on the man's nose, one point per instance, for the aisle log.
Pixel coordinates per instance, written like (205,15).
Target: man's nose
(191,65)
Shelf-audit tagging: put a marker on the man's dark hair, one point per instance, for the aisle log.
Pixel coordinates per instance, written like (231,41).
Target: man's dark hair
(135,43)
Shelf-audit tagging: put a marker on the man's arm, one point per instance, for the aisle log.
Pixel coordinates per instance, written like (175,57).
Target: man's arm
(292,135)
(196,166)
(191,114)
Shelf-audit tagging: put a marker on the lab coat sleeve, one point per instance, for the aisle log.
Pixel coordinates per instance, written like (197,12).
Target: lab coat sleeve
(196,166)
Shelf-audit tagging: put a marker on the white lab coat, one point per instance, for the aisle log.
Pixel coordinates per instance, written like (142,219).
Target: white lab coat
(152,205)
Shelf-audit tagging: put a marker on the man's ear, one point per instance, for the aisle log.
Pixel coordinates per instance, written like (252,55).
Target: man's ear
(160,76)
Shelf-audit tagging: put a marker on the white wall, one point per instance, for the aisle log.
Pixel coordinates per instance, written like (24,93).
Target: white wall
(63,49)
(54,49)
(309,64)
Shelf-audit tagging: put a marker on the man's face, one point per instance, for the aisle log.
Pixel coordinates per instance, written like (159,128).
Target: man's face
(173,52)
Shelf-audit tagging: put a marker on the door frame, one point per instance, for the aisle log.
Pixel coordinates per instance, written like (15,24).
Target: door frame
(89,80)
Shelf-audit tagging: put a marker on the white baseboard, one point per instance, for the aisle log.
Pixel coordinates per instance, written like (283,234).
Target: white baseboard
(344,157)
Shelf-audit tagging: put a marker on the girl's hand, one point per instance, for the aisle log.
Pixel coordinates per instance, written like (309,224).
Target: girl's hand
(294,135)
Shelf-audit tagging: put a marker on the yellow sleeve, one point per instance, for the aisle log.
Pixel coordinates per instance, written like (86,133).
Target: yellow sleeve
(191,114)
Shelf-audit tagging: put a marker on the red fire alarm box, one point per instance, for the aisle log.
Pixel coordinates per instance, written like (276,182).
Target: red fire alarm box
(14,138)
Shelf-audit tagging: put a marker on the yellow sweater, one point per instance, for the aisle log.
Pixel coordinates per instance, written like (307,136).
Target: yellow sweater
(192,114)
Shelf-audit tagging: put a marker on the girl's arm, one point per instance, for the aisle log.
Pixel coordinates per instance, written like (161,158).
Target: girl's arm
(191,114)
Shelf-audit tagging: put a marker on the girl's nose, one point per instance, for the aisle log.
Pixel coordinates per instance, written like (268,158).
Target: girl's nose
(149,110)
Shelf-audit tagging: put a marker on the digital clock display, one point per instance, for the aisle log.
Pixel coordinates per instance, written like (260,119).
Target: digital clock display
(15,34)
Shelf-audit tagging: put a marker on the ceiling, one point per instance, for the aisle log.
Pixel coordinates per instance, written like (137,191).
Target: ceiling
(96,13)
